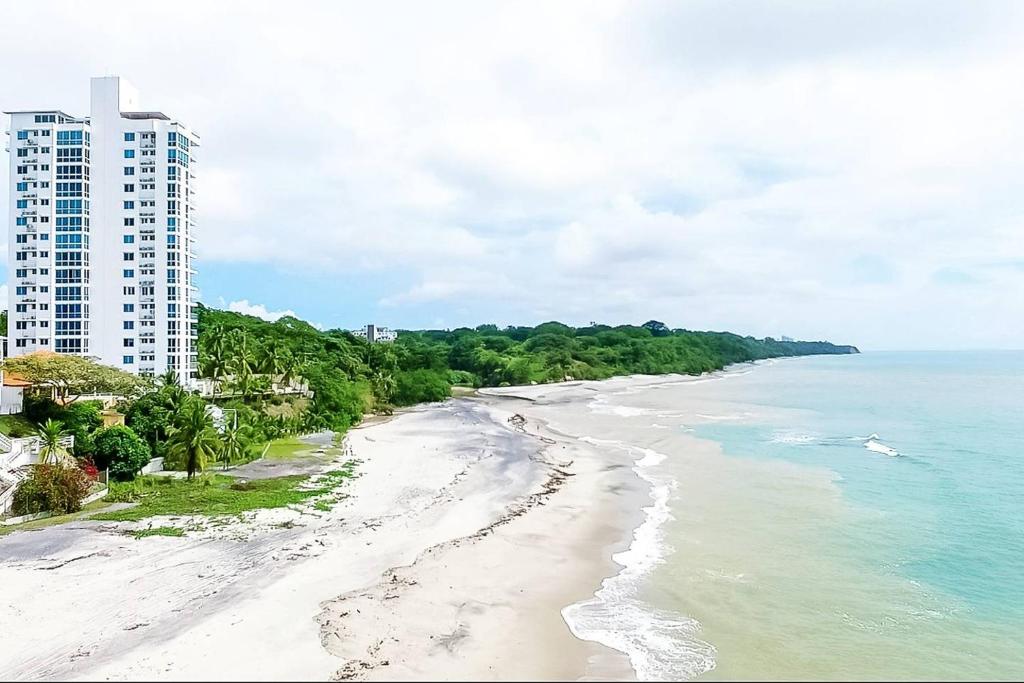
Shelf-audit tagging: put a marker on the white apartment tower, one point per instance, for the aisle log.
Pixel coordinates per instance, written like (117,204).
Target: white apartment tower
(101,234)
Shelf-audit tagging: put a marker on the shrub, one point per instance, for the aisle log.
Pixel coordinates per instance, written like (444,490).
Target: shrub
(121,451)
(39,409)
(90,469)
(17,432)
(51,488)
(419,386)
(81,419)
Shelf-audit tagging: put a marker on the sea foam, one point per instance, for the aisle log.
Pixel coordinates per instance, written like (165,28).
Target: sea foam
(661,645)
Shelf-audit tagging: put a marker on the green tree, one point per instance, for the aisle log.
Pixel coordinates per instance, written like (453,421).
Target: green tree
(383,384)
(80,420)
(234,442)
(121,451)
(193,439)
(51,451)
(71,376)
(273,360)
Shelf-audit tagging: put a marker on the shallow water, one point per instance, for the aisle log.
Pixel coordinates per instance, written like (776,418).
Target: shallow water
(862,518)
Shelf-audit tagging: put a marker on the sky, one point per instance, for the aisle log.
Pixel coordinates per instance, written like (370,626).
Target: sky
(843,170)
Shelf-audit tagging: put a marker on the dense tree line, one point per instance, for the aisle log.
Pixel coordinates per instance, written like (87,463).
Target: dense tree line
(350,376)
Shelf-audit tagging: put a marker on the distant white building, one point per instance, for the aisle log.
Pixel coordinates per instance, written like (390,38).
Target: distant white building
(787,339)
(373,333)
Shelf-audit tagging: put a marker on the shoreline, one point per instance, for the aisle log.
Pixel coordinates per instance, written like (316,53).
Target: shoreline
(512,629)
(456,552)
(448,497)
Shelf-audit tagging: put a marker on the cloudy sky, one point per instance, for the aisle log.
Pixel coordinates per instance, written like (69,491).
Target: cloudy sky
(821,169)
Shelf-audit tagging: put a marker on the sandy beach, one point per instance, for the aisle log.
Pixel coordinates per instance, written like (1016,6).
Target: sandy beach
(465,534)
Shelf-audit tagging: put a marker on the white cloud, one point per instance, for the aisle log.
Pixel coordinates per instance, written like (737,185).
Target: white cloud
(258,310)
(711,163)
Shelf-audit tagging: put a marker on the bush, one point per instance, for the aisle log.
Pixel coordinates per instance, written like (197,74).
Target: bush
(51,488)
(419,386)
(81,419)
(121,451)
(18,432)
(39,409)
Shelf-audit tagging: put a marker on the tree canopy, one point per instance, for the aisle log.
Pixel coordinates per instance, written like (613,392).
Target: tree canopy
(72,376)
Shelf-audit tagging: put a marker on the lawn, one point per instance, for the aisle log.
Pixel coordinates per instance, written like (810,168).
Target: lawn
(18,424)
(214,494)
(59,519)
(288,447)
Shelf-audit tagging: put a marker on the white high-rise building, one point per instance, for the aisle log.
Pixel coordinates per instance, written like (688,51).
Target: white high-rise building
(101,234)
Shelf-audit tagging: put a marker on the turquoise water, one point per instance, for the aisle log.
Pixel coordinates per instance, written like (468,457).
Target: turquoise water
(821,518)
(909,565)
(953,500)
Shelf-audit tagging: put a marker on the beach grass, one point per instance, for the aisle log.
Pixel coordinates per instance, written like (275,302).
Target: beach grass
(216,494)
(159,531)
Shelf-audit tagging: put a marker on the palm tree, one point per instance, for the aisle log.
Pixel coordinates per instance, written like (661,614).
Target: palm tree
(169,379)
(273,359)
(242,375)
(234,442)
(383,386)
(193,437)
(50,434)
(172,392)
(289,368)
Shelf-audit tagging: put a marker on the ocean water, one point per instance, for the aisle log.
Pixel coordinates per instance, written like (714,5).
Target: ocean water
(837,517)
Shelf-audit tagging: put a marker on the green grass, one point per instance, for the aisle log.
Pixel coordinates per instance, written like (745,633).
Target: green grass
(159,531)
(214,494)
(59,519)
(288,447)
(17,423)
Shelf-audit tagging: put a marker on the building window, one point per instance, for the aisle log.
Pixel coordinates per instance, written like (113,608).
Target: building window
(129,324)
(128,342)
(129,137)
(129,187)
(128,272)
(129,239)
(129,205)
(128,360)
(129,308)
(129,154)
(129,170)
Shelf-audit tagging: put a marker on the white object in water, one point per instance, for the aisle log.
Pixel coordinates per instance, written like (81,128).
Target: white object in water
(873,445)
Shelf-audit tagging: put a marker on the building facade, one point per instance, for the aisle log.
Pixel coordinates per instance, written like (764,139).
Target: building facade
(101,256)
(373,333)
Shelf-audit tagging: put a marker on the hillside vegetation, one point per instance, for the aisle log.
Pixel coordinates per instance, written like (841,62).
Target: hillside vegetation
(350,377)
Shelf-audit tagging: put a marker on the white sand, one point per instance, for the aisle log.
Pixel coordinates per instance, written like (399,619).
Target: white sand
(460,543)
